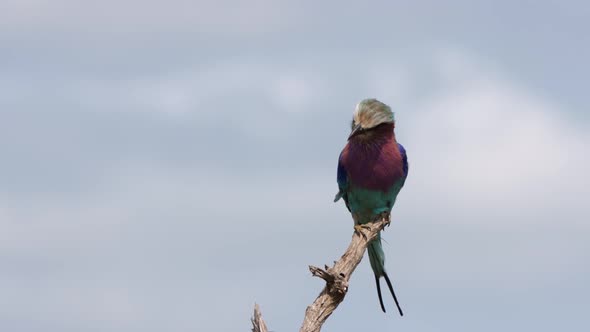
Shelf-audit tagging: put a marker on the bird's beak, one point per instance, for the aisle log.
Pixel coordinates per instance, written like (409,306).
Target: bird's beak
(355,131)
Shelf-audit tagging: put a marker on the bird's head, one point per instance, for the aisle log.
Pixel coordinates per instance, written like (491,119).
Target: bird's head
(369,114)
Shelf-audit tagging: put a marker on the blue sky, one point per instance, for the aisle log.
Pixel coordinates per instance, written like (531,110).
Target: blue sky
(167,164)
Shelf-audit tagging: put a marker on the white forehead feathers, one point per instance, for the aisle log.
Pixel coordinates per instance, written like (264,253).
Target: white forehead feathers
(370,113)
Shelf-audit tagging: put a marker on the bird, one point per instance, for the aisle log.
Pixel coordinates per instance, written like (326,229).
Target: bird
(372,169)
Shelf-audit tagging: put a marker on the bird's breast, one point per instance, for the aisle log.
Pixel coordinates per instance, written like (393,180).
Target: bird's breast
(373,166)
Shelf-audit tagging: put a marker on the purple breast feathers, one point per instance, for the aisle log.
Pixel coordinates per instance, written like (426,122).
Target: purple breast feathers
(375,165)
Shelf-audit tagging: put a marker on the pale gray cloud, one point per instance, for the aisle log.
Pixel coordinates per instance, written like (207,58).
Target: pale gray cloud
(131,19)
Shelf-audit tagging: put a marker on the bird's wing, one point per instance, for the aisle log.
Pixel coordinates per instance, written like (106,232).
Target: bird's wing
(402,151)
(342,178)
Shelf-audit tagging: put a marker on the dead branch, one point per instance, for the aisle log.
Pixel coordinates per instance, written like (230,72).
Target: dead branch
(258,324)
(336,278)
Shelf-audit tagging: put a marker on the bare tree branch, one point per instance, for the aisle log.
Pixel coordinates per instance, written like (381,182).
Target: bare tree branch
(258,324)
(337,277)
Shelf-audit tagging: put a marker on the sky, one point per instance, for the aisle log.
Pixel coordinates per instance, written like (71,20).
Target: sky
(165,165)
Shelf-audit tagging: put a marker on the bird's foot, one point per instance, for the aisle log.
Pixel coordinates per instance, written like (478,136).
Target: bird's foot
(358,229)
(386,218)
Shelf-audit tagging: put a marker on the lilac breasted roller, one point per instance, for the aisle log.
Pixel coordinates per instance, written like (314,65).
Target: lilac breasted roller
(372,169)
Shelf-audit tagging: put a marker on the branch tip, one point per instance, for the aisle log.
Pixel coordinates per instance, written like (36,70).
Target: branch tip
(258,324)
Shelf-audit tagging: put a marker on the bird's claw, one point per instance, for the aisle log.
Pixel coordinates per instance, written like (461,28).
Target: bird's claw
(358,229)
(384,217)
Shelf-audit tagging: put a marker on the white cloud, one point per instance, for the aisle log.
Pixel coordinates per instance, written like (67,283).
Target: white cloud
(200,90)
(486,142)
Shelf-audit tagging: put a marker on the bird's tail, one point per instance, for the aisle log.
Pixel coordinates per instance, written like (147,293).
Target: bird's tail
(377,259)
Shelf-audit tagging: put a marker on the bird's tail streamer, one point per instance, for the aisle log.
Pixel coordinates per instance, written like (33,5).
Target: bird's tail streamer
(377,259)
